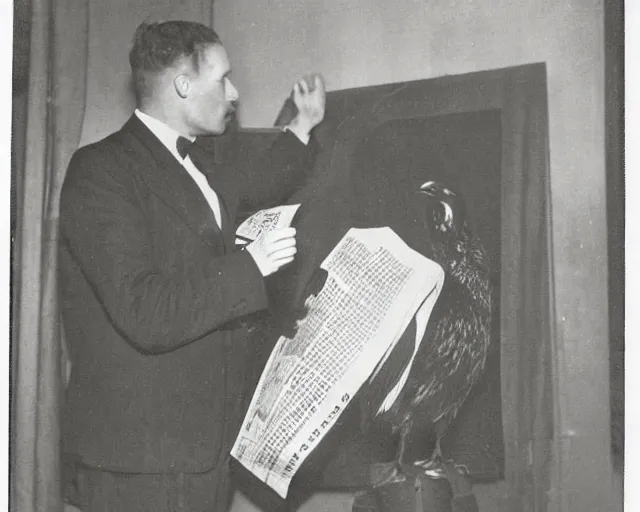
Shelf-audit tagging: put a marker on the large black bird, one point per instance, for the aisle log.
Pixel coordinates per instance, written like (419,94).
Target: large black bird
(454,348)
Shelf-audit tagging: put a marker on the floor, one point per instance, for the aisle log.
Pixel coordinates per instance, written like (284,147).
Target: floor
(488,497)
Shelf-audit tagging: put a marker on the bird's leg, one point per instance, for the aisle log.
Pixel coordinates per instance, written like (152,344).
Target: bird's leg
(434,460)
(402,445)
(433,466)
(392,473)
(436,457)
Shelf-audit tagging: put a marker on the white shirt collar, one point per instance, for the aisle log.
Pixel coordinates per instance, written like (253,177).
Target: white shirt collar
(167,135)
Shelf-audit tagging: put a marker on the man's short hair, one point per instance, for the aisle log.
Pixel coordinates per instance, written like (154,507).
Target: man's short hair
(158,46)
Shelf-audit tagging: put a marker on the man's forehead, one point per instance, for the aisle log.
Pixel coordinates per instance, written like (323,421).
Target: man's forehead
(216,57)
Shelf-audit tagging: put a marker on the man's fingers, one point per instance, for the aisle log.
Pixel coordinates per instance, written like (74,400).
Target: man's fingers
(318,82)
(278,245)
(279,234)
(276,249)
(280,242)
(303,86)
(287,252)
(308,84)
(311,82)
(282,245)
(283,261)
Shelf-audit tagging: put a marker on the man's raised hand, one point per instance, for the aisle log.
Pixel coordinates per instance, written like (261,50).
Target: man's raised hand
(310,99)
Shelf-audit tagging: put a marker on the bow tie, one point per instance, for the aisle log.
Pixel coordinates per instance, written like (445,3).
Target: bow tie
(183,145)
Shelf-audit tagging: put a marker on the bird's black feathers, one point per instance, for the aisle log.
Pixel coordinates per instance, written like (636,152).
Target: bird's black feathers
(453,351)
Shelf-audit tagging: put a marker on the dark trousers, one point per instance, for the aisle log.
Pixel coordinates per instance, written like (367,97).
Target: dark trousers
(104,491)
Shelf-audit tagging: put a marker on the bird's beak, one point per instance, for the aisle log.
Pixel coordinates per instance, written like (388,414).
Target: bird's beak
(426,188)
(429,188)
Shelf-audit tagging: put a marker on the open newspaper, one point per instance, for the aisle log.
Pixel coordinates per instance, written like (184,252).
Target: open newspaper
(264,221)
(375,285)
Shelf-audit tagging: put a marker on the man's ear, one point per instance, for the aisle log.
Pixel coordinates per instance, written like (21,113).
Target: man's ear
(182,85)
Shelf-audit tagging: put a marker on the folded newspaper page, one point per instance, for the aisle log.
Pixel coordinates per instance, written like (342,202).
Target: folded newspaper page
(264,221)
(375,285)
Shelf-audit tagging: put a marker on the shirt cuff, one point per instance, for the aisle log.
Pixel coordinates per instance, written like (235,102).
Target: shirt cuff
(302,137)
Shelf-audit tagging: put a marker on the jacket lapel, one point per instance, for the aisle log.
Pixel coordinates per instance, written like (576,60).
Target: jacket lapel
(171,182)
(206,162)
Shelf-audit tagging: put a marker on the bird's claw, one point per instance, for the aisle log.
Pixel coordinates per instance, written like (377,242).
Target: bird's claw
(462,468)
(387,474)
(434,467)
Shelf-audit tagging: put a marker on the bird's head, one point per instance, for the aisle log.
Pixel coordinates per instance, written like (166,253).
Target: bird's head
(447,209)
(454,245)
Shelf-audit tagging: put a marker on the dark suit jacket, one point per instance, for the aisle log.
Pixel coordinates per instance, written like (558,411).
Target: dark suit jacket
(151,295)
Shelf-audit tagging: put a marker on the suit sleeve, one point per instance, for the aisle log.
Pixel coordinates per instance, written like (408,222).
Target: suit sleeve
(271,177)
(107,234)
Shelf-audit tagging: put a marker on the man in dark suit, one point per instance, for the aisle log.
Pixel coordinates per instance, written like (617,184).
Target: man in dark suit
(154,295)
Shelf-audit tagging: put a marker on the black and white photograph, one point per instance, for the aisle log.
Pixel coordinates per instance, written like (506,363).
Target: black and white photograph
(317,256)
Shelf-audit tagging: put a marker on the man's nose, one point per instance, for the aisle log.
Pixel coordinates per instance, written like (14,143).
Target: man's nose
(231,91)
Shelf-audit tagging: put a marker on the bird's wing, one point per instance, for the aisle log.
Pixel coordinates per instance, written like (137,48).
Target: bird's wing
(421,320)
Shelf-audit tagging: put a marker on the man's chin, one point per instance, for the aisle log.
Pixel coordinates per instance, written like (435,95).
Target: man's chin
(217,130)
(220,127)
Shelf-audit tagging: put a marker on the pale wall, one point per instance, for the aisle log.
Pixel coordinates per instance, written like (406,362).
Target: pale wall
(112,23)
(366,42)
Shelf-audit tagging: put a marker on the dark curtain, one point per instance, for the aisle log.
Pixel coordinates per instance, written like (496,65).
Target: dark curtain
(52,119)
(614,120)
(526,292)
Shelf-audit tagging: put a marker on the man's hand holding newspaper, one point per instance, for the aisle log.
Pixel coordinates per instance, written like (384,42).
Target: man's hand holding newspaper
(267,236)
(274,250)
